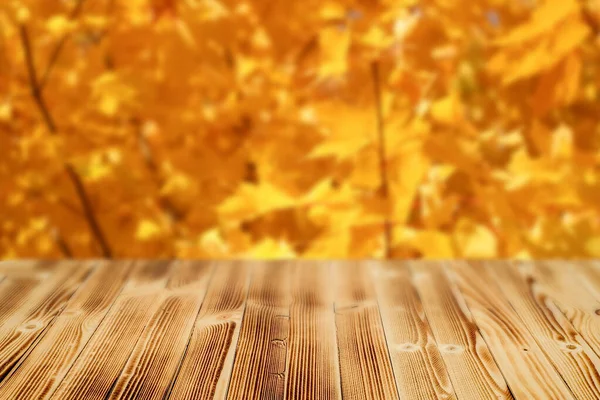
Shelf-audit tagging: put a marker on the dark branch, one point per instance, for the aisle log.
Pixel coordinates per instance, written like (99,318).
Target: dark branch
(75,179)
(59,47)
(61,243)
(591,21)
(169,208)
(35,88)
(89,211)
(384,189)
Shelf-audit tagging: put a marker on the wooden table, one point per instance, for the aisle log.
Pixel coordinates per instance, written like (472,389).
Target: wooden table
(299,330)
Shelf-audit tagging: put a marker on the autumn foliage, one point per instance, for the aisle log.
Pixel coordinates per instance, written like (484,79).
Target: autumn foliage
(300,128)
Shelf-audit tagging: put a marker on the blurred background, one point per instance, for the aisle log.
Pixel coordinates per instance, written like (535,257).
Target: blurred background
(310,129)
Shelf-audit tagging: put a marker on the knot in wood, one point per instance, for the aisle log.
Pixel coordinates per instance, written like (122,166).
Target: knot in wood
(408,347)
(451,348)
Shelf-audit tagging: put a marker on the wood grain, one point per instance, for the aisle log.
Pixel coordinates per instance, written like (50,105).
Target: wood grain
(299,330)
(206,366)
(471,366)
(100,363)
(13,294)
(52,357)
(25,318)
(528,372)
(157,354)
(589,274)
(259,369)
(365,367)
(313,367)
(418,366)
(570,354)
(572,296)
(28,268)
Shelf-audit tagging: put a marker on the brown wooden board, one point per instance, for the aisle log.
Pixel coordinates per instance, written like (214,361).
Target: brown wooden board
(299,330)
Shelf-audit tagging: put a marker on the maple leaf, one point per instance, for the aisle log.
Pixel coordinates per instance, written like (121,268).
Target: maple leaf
(253,200)
(430,244)
(554,31)
(271,249)
(335,44)
(210,128)
(147,229)
(475,240)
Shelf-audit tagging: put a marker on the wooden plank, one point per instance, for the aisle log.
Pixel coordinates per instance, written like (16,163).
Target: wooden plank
(418,366)
(572,357)
(313,368)
(19,279)
(100,363)
(259,366)
(26,268)
(13,294)
(573,296)
(208,361)
(589,274)
(527,370)
(471,367)
(365,367)
(52,357)
(25,318)
(156,356)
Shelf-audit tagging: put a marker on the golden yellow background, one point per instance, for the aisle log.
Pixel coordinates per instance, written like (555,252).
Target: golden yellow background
(313,128)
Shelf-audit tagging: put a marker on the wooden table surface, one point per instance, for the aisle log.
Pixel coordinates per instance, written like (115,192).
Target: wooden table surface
(299,330)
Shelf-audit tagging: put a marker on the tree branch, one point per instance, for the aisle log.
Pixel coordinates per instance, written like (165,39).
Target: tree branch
(169,208)
(71,173)
(591,21)
(384,189)
(59,47)
(61,243)
(35,88)
(88,211)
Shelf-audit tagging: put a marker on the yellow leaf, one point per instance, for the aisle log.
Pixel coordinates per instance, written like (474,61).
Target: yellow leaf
(213,10)
(59,25)
(185,33)
(176,183)
(377,38)
(111,93)
(592,246)
(346,132)
(252,200)
(562,143)
(408,172)
(366,174)
(550,13)
(319,192)
(333,244)
(334,43)
(474,240)
(213,243)
(147,230)
(6,111)
(555,31)
(332,10)
(246,66)
(271,249)
(447,110)
(98,165)
(431,244)
(569,37)
(569,84)
(405,24)
(261,40)
(23,15)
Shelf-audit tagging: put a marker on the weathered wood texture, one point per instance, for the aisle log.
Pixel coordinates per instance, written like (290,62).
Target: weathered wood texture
(299,330)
